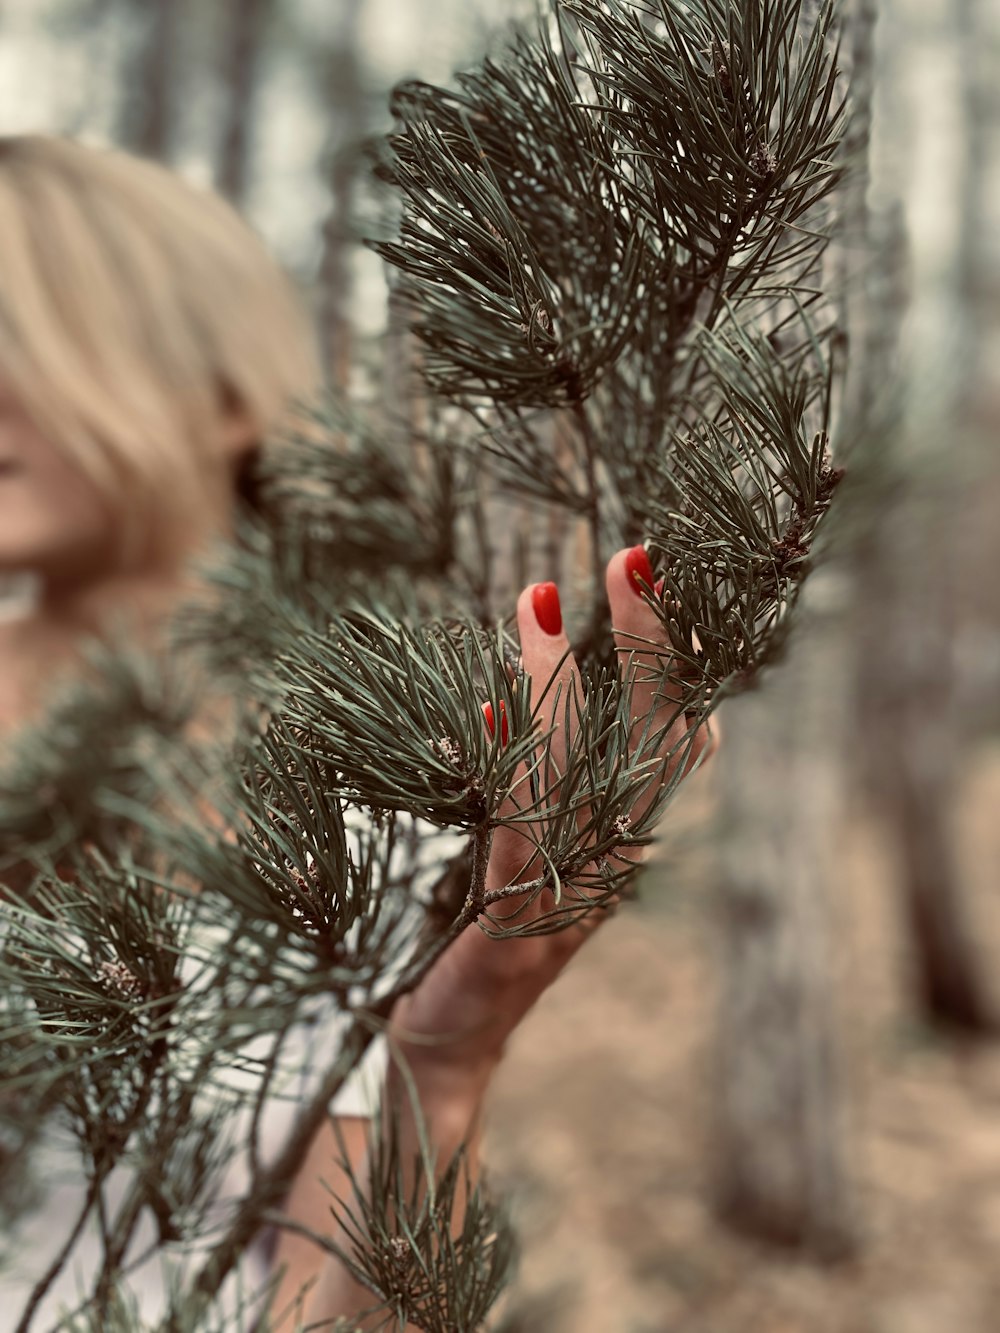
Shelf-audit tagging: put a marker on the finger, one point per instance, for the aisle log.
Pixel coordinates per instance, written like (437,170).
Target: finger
(704,743)
(552,677)
(706,739)
(548,662)
(644,661)
(644,655)
(491,724)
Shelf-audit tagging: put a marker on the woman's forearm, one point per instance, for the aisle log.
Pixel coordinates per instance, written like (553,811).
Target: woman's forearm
(451,1104)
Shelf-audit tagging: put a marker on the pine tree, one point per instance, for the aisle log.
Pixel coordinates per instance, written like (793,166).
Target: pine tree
(614,225)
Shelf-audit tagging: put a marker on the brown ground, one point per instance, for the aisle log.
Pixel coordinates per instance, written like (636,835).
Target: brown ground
(601,1128)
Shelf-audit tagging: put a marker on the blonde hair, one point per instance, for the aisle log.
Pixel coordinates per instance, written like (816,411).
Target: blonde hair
(136,312)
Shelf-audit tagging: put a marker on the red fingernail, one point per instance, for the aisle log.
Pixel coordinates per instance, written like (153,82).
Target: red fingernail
(491,723)
(638,569)
(548,613)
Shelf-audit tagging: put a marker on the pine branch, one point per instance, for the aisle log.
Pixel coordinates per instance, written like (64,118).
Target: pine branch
(270,1185)
(401,1241)
(506,192)
(619,220)
(754,479)
(41,1287)
(103,739)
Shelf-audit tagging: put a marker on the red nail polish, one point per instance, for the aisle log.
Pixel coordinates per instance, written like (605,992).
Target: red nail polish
(490,722)
(548,613)
(638,569)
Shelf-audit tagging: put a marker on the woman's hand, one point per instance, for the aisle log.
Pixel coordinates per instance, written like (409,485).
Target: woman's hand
(453,1027)
(451,1030)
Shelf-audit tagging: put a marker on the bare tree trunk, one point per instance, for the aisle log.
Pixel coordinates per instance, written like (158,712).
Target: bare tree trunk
(239,69)
(346,100)
(912,687)
(146,118)
(401,383)
(916,572)
(778,1158)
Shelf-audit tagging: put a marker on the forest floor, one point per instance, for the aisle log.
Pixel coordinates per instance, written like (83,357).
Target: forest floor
(600,1129)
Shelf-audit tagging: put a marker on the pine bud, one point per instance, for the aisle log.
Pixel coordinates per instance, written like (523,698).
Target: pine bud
(119,980)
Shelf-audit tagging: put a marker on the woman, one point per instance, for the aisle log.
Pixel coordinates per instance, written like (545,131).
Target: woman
(147,344)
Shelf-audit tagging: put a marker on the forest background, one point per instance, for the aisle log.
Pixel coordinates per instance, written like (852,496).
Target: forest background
(864,837)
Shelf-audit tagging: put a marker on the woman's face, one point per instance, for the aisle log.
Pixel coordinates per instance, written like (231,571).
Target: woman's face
(53,519)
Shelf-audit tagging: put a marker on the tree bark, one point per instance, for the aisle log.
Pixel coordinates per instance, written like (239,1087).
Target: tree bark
(916,571)
(779,1161)
(239,70)
(146,118)
(780,1173)
(912,687)
(346,100)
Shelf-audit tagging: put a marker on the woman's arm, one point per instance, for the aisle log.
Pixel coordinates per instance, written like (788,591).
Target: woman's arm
(300,1264)
(314,1286)
(452,1030)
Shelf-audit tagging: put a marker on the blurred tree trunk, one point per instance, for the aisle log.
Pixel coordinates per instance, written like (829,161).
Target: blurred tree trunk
(779,1158)
(402,388)
(149,77)
(346,102)
(243,33)
(918,570)
(920,766)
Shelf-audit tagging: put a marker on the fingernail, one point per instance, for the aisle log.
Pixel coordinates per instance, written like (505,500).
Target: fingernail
(548,613)
(491,723)
(638,569)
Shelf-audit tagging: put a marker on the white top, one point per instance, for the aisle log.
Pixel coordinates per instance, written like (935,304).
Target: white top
(41,1234)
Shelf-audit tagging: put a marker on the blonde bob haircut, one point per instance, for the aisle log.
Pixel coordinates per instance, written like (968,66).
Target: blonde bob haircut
(137,315)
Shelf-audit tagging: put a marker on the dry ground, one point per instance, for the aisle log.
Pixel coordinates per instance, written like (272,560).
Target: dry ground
(601,1129)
